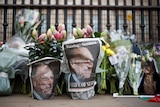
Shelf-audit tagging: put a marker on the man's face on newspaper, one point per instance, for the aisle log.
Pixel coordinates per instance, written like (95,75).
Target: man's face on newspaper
(82,62)
(44,80)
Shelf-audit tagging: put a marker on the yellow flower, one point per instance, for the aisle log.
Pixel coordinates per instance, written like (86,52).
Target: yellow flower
(103,48)
(129,17)
(109,52)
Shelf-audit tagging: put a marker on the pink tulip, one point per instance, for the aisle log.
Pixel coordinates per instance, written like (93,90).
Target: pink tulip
(84,31)
(89,29)
(85,36)
(61,27)
(1,43)
(42,38)
(58,35)
(21,21)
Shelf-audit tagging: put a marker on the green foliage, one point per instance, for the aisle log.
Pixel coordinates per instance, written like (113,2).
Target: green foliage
(50,48)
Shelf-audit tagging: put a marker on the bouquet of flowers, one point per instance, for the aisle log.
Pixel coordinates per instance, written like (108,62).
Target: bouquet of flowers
(149,68)
(123,49)
(156,56)
(135,73)
(48,44)
(46,50)
(108,69)
(26,21)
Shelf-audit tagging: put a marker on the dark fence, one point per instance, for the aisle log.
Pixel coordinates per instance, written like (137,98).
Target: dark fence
(100,14)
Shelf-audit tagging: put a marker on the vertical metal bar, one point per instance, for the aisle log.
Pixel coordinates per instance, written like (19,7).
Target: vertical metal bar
(142,23)
(56,16)
(117,16)
(48,15)
(40,11)
(133,18)
(65,14)
(108,17)
(151,36)
(74,14)
(99,17)
(158,17)
(125,20)
(23,1)
(82,14)
(13,18)
(91,14)
(31,2)
(5,24)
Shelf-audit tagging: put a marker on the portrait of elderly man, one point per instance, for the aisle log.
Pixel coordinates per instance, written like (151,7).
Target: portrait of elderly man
(81,58)
(81,63)
(42,79)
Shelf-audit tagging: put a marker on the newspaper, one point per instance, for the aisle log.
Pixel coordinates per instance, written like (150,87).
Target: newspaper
(44,75)
(82,59)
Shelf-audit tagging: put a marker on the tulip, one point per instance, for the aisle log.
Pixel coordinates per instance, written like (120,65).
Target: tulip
(89,29)
(52,29)
(75,34)
(61,27)
(79,32)
(64,33)
(84,31)
(1,43)
(49,33)
(21,21)
(42,38)
(58,35)
(34,34)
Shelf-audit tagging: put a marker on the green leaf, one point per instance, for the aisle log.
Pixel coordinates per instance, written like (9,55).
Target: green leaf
(97,34)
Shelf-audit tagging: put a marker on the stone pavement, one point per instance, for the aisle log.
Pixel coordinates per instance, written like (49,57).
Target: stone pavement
(19,100)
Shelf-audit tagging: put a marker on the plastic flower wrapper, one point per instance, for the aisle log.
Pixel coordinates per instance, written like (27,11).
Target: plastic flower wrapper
(7,71)
(12,53)
(26,21)
(135,73)
(156,49)
(116,35)
(149,68)
(123,49)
